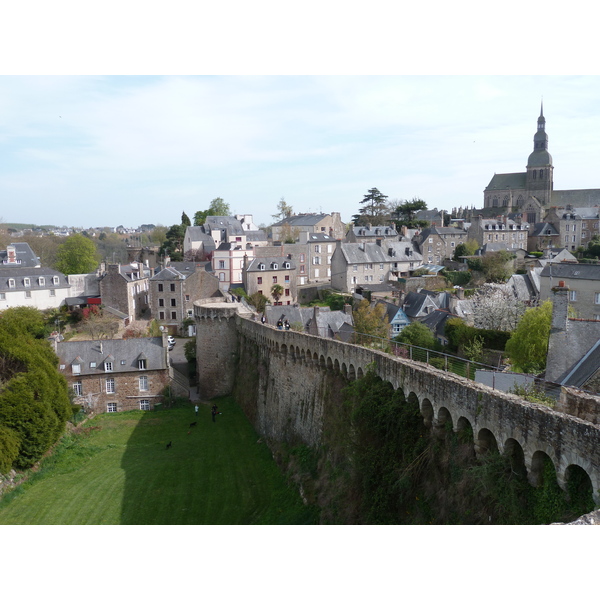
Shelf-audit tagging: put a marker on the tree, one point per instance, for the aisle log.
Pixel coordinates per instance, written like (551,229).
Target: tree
(466,248)
(417,334)
(496,307)
(276,292)
(375,210)
(285,211)
(77,254)
(200,217)
(34,400)
(219,208)
(528,345)
(403,213)
(173,244)
(259,301)
(185,220)
(370,321)
(497,266)
(99,325)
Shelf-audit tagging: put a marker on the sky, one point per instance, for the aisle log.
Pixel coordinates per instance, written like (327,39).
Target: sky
(97,150)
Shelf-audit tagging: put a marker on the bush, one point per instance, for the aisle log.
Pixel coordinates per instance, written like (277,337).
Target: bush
(9,448)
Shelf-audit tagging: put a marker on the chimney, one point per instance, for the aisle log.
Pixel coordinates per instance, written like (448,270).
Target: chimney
(347,309)
(560,307)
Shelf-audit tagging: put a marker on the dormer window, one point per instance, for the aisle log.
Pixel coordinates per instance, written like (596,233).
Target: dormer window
(55,280)
(286,265)
(42,281)
(11,283)
(27,282)
(108,366)
(261,267)
(275,266)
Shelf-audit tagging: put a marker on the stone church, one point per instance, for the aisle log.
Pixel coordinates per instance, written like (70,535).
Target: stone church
(531,193)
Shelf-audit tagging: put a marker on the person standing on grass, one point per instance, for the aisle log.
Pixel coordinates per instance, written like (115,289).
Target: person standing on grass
(214,412)
(196,409)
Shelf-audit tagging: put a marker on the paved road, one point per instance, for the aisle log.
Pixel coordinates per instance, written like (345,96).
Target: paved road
(179,362)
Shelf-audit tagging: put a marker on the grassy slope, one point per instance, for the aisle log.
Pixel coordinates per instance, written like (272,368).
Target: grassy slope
(122,473)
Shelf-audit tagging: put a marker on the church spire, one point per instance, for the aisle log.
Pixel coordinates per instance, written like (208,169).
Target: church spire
(540,140)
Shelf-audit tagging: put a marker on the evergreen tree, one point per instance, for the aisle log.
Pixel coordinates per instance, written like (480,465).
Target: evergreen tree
(404,214)
(375,210)
(185,220)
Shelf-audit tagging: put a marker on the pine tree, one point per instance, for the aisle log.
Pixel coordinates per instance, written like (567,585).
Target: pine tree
(375,210)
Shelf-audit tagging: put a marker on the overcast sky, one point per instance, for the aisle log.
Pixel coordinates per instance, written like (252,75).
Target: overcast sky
(108,150)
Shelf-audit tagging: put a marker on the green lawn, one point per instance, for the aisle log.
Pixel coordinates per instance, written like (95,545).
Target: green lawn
(119,471)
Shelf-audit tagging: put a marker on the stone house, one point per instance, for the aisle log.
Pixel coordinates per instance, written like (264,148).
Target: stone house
(24,282)
(174,289)
(507,233)
(542,236)
(575,226)
(261,274)
(437,244)
(125,288)
(582,281)
(310,223)
(116,375)
(360,264)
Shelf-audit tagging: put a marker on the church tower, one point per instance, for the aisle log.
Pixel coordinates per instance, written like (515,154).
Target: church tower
(539,179)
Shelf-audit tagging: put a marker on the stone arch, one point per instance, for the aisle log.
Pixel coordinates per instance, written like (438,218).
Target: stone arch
(329,363)
(344,370)
(514,451)
(427,412)
(322,362)
(485,442)
(539,460)
(284,350)
(579,487)
(351,372)
(442,423)
(336,365)
(359,373)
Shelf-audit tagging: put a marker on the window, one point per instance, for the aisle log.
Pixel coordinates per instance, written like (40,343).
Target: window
(2,296)
(55,280)
(259,280)
(143,383)
(274,278)
(27,294)
(381,266)
(316,272)
(287,292)
(187,297)
(161,315)
(318,248)
(11,283)
(597,298)
(160,287)
(172,287)
(287,278)
(42,281)
(302,258)
(221,264)
(261,267)
(110,386)
(355,267)
(144,404)
(161,301)
(173,302)
(52,292)
(573,295)
(302,269)
(27,282)
(329,248)
(111,407)
(77,388)
(174,315)
(142,364)
(92,365)
(275,266)
(76,369)
(108,366)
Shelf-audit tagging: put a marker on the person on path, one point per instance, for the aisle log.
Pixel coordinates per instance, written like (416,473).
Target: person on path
(196,409)
(214,412)
(279,324)
(263,319)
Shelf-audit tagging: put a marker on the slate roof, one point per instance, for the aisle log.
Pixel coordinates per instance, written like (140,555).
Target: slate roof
(363,253)
(436,321)
(543,229)
(505,181)
(19,274)
(24,255)
(168,274)
(294,314)
(577,198)
(332,321)
(584,369)
(382,231)
(403,251)
(301,220)
(230,224)
(269,262)
(571,271)
(415,304)
(127,351)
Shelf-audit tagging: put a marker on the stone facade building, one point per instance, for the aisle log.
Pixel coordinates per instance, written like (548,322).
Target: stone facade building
(125,289)
(437,244)
(115,375)
(532,193)
(174,289)
(261,274)
(311,223)
(500,233)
